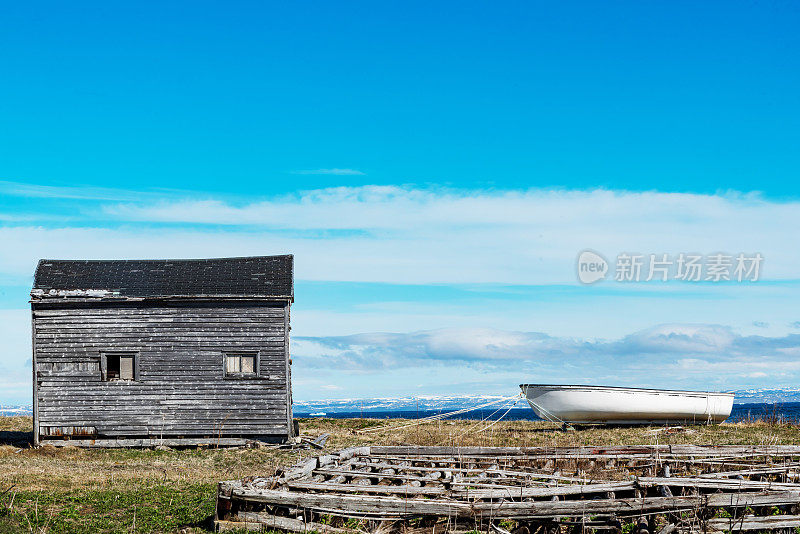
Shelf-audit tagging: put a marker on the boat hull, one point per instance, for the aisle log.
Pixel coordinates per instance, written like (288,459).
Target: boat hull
(626,406)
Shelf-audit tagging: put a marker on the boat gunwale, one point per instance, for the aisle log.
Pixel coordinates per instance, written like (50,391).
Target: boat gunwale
(623,388)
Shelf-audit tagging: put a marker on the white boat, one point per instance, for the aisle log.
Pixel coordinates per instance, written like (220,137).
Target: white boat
(626,406)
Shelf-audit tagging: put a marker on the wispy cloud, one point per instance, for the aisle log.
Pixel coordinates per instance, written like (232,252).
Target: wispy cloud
(337,172)
(411,235)
(90,193)
(671,352)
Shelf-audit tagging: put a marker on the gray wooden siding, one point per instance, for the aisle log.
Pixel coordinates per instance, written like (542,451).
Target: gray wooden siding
(180,387)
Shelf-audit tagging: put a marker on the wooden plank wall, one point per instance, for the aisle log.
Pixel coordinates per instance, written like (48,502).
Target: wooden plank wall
(180,389)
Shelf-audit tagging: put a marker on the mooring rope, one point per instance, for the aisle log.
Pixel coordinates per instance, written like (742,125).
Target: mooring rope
(478,423)
(433,417)
(549,416)
(501,417)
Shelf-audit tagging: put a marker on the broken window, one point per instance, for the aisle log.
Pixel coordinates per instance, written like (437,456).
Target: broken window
(240,364)
(120,366)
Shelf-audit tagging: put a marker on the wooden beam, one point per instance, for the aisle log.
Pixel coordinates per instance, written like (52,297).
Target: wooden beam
(350,488)
(770,522)
(716,483)
(288,524)
(148,442)
(522,492)
(355,503)
(632,506)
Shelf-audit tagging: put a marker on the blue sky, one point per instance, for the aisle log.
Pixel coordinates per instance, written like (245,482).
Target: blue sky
(435,169)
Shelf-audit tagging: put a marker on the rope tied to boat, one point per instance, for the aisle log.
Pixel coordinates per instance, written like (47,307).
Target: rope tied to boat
(519,397)
(441,416)
(548,415)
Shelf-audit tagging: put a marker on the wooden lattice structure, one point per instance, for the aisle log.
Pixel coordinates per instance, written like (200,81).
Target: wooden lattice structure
(644,489)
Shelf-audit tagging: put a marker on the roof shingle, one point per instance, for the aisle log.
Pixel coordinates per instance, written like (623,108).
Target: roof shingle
(257,276)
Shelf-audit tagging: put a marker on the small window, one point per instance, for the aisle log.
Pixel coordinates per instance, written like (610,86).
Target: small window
(240,365)
(120,366)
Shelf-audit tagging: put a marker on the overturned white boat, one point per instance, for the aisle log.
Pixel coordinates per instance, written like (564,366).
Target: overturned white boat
(626,406)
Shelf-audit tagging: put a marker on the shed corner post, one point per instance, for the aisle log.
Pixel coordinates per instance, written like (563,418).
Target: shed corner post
(288,359)
(35,405)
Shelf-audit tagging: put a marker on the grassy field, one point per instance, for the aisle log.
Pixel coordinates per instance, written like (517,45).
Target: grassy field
(69,490)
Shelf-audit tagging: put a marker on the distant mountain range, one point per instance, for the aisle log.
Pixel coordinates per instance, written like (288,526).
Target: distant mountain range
(15,409)
(452,403)
(769,396)
(404,404)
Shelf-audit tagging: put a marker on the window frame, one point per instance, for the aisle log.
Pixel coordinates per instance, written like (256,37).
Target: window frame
(119,353)
(239,375)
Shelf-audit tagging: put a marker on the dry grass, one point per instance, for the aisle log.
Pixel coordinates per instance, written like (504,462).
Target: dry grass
(63,489)
(50,467)
(535,433)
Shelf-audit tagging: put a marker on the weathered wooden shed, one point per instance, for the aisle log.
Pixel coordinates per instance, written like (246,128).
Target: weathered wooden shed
(175,352)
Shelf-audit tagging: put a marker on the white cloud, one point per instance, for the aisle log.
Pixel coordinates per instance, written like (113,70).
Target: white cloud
(406,235)
(678,338)
(676,353)
(713,345)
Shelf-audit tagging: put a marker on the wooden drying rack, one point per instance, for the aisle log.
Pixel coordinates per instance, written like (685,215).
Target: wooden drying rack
(523,490)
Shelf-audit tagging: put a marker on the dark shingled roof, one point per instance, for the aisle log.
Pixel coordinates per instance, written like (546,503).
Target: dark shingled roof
(257,276)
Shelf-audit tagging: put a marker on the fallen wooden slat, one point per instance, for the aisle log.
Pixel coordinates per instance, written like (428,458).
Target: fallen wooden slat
(302,469)
(770,522)
(494,493)
(346,454)
(367,474)
(749,472)
(514,477)
(632,506)
(237,526)
(320,441)
(327,459)
(738,500)
(288,524)
(447,528)
(716,483)
(521,493)
(356,503)
(552,509)
(464,470)
(349,488)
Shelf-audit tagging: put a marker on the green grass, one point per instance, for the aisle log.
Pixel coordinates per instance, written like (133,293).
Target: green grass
(146,508)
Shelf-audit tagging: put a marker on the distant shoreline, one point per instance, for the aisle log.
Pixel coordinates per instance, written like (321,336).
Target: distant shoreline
(785,411)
